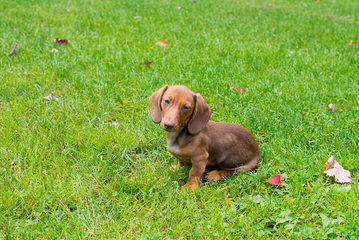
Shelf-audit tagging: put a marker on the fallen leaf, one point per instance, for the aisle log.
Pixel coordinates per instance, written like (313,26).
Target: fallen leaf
(162,43)
(147,63)
(329,163)
(61,41)
(51,97)
(72,8)
(352,42)
(13,51)
(236,89)
(111,123)
(317,2)
(54,50)
(331,107)
(275,180)
(334,169)
(229,201)
(178,8)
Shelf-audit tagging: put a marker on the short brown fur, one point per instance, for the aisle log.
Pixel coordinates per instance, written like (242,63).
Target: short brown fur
(196,141)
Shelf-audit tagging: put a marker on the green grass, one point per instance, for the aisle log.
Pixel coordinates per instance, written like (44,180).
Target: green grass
(65,174)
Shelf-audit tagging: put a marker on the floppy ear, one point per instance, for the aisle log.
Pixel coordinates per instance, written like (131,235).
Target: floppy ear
(155,104)
(200,116)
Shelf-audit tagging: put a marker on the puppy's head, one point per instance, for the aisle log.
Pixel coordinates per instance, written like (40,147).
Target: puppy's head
(176,107)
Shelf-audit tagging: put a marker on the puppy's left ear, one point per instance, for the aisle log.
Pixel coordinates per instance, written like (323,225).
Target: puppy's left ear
(200,116)
(155,104)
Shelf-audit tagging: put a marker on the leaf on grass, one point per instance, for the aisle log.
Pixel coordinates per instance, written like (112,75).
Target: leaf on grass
(352,42)
(317,2)
(147,63)
(229,201)
(331,107)
(333,168)
(236,89)
(61,41)
(178,8)
(111,123)
(51,97)
(13,51)
(275,180)
(162,43)
(54,50)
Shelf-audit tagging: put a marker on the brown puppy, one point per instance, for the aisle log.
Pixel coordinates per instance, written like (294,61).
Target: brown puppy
(196,141)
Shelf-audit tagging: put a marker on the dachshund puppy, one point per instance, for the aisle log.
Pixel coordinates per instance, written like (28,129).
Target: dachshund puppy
(196,141)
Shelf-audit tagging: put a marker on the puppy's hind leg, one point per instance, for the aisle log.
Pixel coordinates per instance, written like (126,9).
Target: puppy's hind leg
(219,174)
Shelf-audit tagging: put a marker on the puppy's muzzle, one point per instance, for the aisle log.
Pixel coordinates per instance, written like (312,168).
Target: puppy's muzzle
(169,125)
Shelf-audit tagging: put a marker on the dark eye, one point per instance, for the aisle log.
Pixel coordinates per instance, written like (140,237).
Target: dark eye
(185,108)
(166,101)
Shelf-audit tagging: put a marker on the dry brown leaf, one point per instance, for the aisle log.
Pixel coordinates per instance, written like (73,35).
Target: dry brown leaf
(147,63)
(61,41)
(236,89)
(162,43)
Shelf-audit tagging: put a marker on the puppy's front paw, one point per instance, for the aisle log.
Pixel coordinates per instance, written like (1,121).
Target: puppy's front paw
(193,182)
(192,186)
(213,176)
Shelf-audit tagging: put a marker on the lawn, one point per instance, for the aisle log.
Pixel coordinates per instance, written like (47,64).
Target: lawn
(92,165)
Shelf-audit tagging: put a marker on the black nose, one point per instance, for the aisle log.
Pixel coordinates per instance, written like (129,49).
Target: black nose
(168,125)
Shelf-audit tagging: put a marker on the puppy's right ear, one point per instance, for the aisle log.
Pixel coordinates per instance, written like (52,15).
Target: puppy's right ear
(155,104)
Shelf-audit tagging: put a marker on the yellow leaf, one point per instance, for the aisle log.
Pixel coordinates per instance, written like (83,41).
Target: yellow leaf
(229,201)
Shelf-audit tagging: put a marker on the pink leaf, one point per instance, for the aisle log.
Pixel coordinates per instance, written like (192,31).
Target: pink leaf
(13,51)
(111,123)
(329,163)
(334,169)
(51,97)
(275,180)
